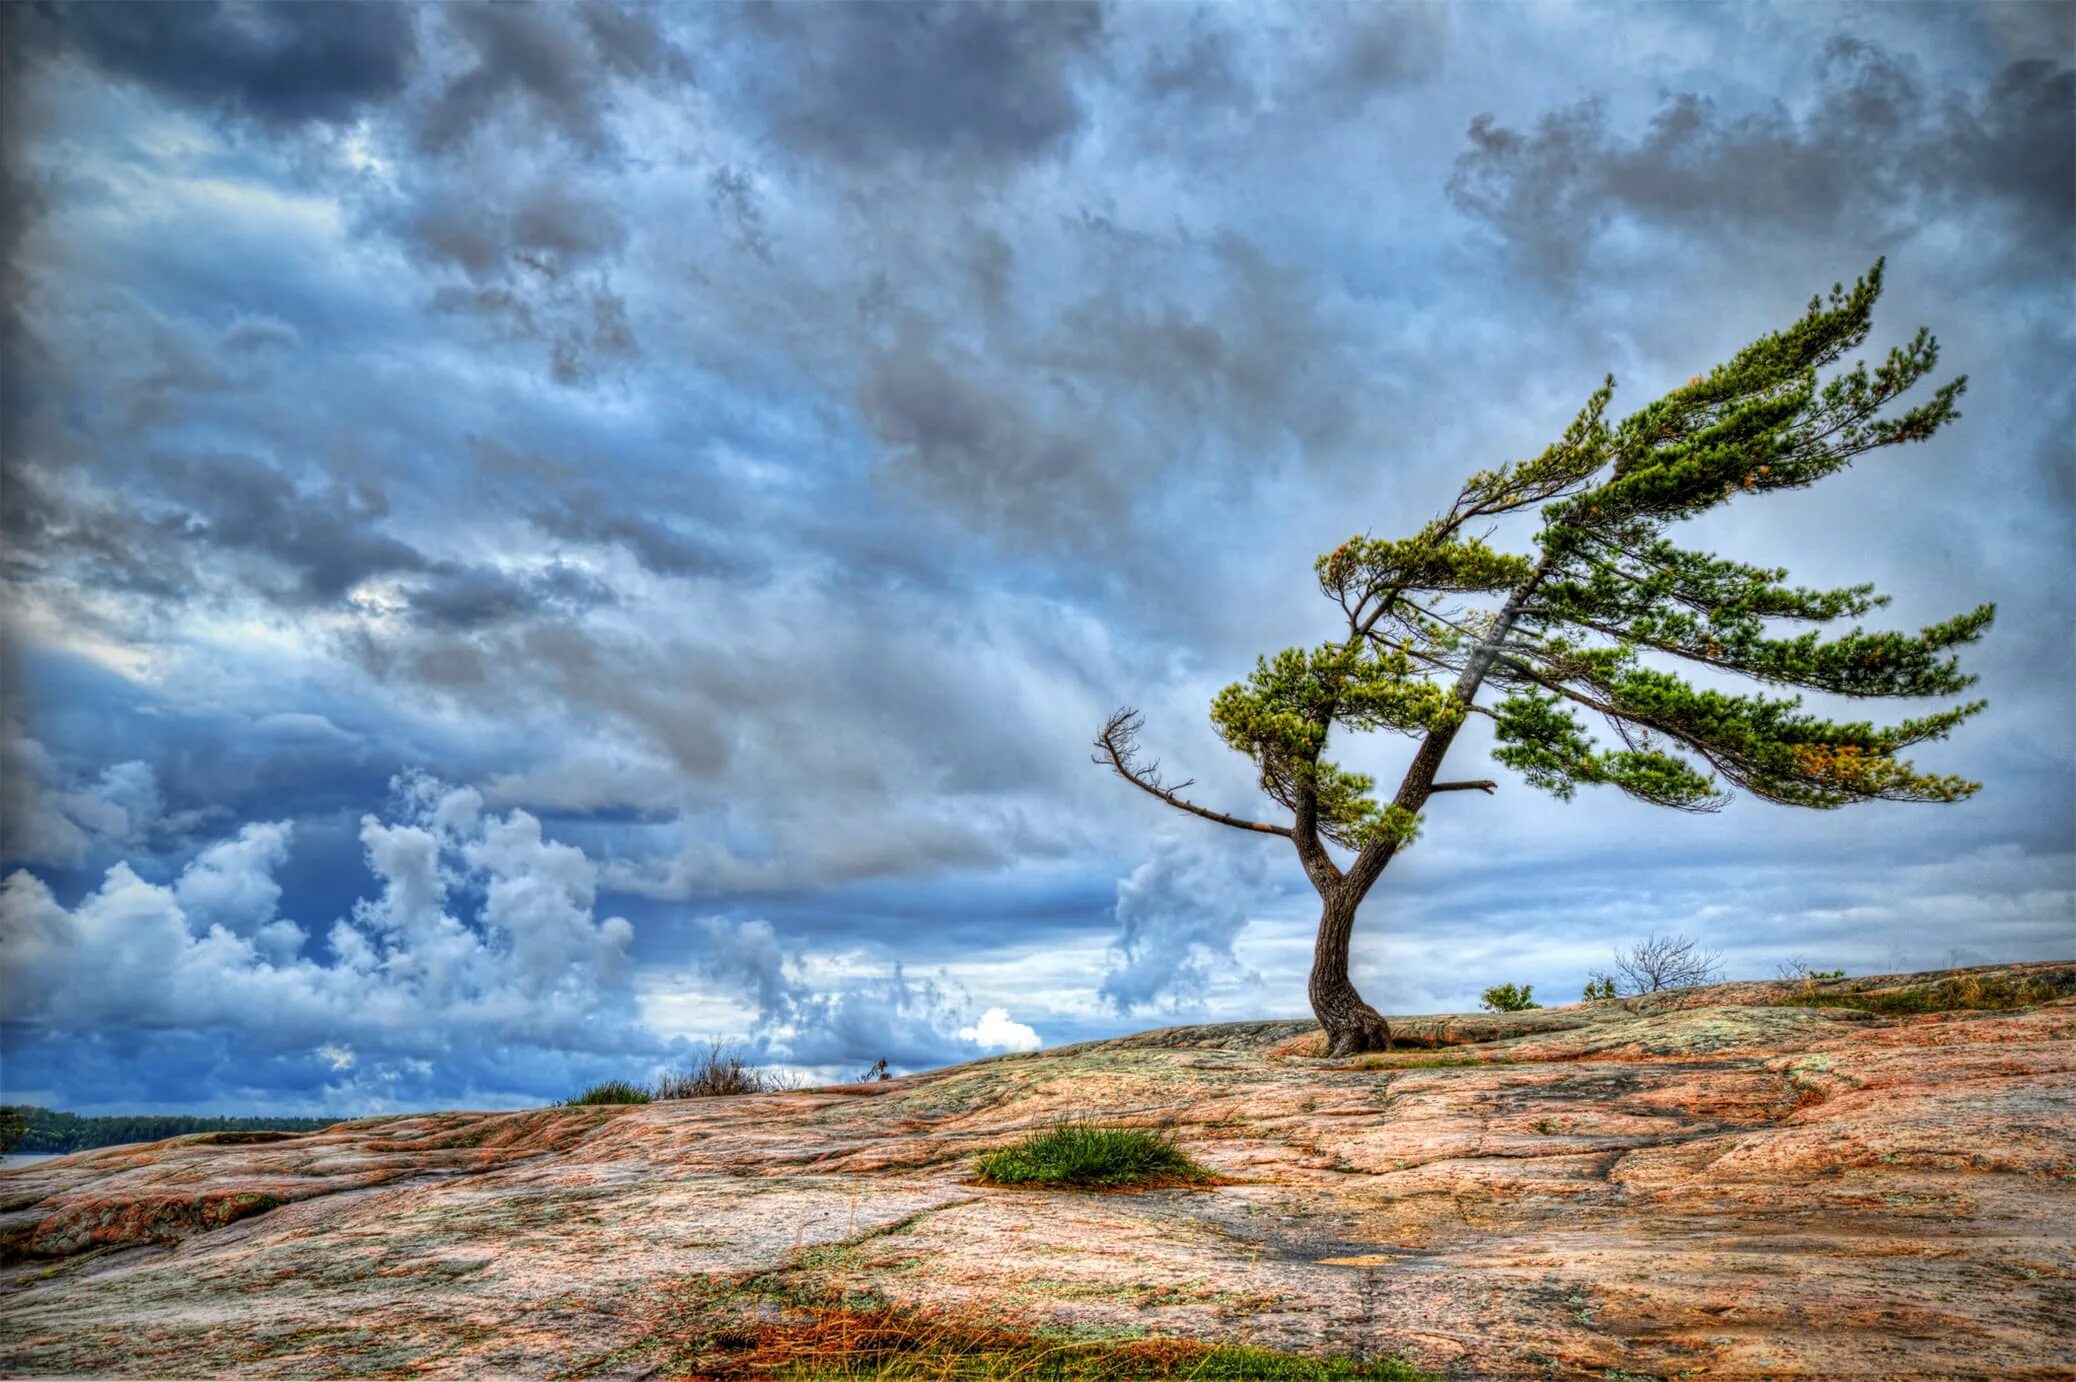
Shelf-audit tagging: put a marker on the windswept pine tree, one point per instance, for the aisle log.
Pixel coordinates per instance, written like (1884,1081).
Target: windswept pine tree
(1592,623)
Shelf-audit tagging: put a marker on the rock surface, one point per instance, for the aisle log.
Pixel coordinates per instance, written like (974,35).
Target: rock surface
(1713,1184)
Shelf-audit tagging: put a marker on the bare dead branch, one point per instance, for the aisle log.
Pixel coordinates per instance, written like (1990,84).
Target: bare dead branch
(1658,963)
(1118,747)
(1482,785)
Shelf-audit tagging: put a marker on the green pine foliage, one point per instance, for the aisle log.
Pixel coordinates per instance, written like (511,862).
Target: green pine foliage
(1593,624)
(611,1092)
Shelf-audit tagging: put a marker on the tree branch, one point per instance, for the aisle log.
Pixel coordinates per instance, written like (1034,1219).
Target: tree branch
(1418,783)
(1119,748)
(1480,786)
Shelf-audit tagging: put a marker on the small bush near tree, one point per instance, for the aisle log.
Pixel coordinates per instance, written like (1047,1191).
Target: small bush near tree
(1505,998)
(1600,988)
(1079,1153)
(611,1092)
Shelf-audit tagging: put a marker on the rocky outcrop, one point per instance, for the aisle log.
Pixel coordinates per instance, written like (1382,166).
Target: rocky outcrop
(1860,1178)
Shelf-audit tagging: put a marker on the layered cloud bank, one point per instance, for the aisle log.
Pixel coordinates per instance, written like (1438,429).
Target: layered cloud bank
(480,970)
(759,446)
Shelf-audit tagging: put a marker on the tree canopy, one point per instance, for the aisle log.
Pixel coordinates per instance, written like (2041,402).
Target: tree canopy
(1595,622)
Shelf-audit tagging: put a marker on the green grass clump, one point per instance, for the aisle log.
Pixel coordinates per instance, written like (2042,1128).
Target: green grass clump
(1081,1153)
(611,1092)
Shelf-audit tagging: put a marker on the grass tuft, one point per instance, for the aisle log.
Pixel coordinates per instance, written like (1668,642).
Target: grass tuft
(611,1092)
(720,1072)
(1080,1153)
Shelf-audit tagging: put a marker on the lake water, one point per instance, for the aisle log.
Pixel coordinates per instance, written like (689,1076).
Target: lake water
(14,1159)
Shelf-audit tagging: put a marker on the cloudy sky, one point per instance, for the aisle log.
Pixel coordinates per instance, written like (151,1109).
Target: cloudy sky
(538,537)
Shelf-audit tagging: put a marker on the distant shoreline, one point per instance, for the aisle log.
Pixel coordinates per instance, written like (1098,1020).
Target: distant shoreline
(49,1132)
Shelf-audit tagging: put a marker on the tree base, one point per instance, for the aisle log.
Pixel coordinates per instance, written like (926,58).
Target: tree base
(1353,1034)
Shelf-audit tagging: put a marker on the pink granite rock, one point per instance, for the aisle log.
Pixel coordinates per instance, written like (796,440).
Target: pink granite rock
(1710,1183)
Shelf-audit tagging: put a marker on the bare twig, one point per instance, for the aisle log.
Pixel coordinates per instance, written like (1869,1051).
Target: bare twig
(1118,746)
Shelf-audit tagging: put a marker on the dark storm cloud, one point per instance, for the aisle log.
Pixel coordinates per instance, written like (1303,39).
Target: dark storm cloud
(549,64)
(553,224)
(172,533)
(772,479)
(525,220)
(1178,355)
(980,84)
(1877,150)
(316,60)
(583,324)
(465,597)
(961,441)
(314,544)
(325,539)
(1198,68)
(1372,48)
(586,516)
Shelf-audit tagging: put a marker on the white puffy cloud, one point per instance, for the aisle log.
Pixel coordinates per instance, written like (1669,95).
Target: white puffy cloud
(996,1032)
(231,883)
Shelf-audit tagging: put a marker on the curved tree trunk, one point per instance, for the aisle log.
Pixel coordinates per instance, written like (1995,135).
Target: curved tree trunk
(1352,1026)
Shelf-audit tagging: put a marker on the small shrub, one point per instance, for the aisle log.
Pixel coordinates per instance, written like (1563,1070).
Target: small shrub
(720,1072)
(1505,998)
(611,1092)
(1798,970)
(1600,988)
(1088,1154)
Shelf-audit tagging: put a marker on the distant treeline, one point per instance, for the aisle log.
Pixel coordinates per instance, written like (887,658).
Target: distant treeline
(43,1130)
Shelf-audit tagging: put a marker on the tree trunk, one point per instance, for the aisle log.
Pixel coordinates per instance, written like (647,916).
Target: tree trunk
(1352,1026)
